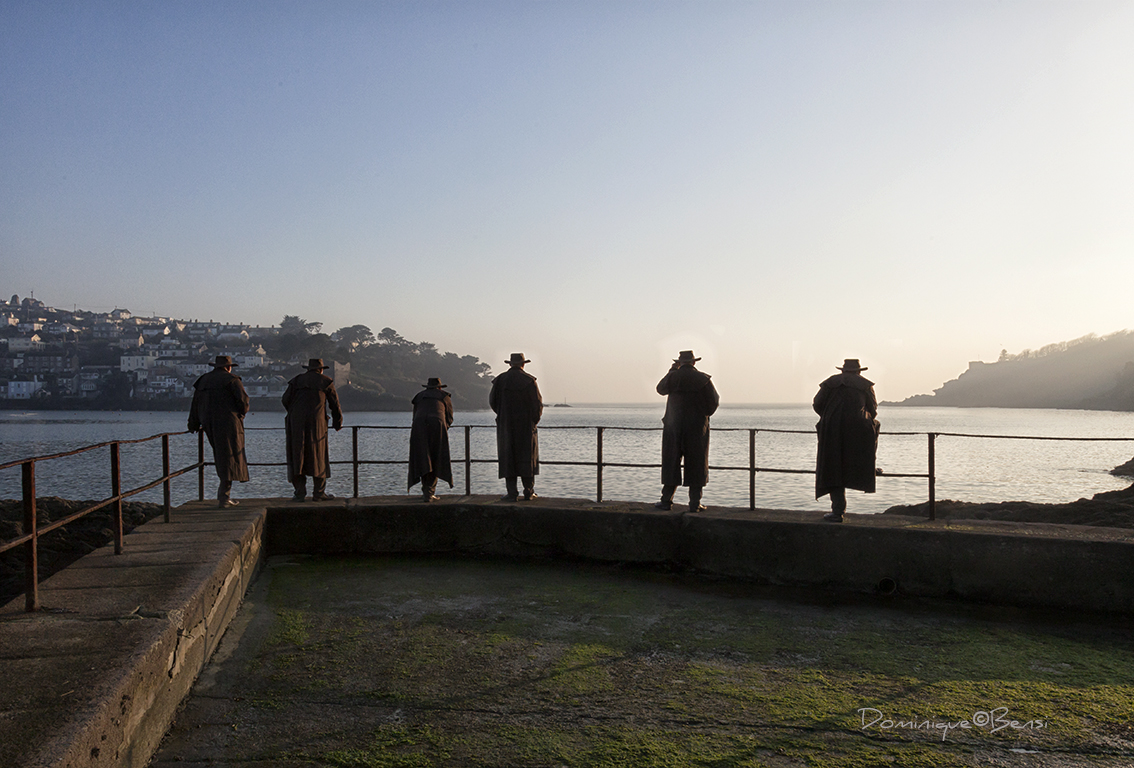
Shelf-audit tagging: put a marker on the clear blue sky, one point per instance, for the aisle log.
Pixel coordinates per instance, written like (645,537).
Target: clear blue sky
(600,185)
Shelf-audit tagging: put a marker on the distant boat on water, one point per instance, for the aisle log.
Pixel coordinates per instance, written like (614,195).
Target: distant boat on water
(561,405)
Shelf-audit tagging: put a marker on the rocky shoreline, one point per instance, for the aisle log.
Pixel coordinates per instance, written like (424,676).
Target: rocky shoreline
(63,546)
(1112,509)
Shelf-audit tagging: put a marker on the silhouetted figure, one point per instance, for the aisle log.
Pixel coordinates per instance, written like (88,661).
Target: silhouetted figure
(429,439)
(848,437)
(691,400)
(307,399)
(219,406)
(518,406)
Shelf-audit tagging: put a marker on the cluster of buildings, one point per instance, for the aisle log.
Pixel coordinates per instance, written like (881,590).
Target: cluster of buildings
(47,352)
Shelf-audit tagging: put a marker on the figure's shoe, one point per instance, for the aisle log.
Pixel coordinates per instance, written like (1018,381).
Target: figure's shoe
(529,495)
(299,496)
(664,505)
(430,498)
(226,503)
(697,508)
(322,496)
(833,517)
(509,497)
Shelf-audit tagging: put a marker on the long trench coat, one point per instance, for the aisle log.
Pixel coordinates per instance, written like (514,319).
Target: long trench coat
(219,406)
(518,406)
(307,398)
(848,434)
(691,400)
(429,436)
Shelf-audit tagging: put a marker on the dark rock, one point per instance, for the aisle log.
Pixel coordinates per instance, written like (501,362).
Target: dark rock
(1111,509)
(63,546)
(1124,470)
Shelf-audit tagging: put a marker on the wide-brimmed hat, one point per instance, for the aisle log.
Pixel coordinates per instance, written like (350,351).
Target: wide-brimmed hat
(315,364)
(435,383)
(223,361)
(517,358)
(686,357)
(850,365)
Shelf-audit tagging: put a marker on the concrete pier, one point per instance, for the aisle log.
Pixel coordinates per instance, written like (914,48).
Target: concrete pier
(95,677)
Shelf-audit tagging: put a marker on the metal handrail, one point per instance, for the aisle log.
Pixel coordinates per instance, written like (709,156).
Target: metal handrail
(753,469)
(32,532)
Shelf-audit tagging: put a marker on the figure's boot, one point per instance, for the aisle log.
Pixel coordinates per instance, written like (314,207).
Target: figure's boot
(529,488)
(300,485)
(838,505)
(319,491)
(223,492)
(428,486)
(666,502)
(512,493)
(695,498)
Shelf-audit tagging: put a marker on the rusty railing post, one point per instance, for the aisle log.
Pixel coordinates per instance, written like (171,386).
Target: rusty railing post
(932,477)
(31,548)
(598,462)
(752,469)
(166,494)
(200,466)
(116,492)
(354,456)
(468,460)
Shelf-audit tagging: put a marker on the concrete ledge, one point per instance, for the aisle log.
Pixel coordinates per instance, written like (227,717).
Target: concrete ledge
(1020,564)
(95,678)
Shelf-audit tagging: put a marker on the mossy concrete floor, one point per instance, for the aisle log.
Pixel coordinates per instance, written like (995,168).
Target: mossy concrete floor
(366,662)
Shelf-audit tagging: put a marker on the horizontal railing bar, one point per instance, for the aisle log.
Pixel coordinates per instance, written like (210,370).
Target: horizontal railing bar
(1036,437)
(626,429)
(151,437)
(84,449)
(41,530)
(13,543)
(75,516)
(159,481)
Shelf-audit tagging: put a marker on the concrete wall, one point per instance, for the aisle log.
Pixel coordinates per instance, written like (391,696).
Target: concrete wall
(95,677)
(1072,567)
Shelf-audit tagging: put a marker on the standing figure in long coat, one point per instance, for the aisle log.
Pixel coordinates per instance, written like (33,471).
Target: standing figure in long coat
(848,437)
(429,439)
(219,406)
(307,399)
(518,406)
(691,399)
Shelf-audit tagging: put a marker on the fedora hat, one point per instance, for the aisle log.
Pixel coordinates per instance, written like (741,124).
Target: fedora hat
(686,357)
(850,365)
(315,364)
(435,383)
(517,358)
(223,361)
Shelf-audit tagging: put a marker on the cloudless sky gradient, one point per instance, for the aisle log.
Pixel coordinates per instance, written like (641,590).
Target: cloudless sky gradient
(775,185)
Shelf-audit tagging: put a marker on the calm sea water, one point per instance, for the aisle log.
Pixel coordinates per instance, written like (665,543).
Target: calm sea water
(969,469)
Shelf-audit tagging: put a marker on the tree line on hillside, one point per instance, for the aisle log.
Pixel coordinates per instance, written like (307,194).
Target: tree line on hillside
(1091,372)
(387,370)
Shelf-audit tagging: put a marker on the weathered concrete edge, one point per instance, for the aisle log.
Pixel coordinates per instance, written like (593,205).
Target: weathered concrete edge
(1084,573)
(125,727)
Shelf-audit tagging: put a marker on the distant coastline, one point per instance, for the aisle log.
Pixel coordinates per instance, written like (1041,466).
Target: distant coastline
(1092,373)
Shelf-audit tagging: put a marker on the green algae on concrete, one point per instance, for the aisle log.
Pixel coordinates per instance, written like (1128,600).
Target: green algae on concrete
(434,662)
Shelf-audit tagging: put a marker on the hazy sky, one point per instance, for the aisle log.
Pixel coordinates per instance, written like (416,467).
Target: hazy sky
(600,185)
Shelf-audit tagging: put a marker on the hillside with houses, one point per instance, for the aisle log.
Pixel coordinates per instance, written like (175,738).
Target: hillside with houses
(78,359)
